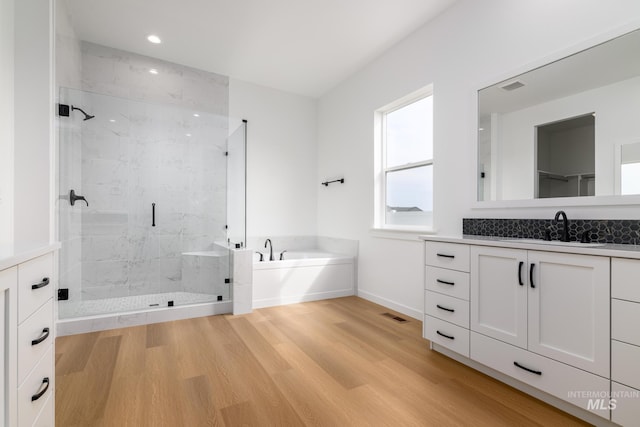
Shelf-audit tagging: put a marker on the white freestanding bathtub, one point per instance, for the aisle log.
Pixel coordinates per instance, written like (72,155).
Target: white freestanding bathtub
(301,276)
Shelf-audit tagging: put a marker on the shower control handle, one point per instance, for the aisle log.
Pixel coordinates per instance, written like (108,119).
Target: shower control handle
(73,198)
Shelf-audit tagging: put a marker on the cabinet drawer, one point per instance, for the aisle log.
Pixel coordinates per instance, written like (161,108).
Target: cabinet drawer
(447,335)
(627,410)
(47,416)
(38,273)
(447,308)
(447,255)
(29,333)
(625,364)
(624,279)
(625,318)
(34,386)
(553,377)
(448,282)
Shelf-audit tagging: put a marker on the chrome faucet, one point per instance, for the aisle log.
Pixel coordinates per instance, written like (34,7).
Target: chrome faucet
(270,249)
(564,237)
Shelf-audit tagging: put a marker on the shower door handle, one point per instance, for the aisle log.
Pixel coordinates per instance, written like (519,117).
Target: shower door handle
(153,214)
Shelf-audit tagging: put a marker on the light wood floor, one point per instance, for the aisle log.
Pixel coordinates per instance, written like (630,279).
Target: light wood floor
(328,363)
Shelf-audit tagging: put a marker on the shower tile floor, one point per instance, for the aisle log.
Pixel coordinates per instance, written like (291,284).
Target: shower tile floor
(72,309)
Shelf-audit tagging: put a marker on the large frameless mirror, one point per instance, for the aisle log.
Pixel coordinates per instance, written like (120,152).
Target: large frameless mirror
(566,129)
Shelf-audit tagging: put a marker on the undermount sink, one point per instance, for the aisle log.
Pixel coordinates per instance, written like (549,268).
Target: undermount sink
(553,242)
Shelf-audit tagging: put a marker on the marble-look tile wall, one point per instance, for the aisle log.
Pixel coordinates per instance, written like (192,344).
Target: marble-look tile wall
(154,139)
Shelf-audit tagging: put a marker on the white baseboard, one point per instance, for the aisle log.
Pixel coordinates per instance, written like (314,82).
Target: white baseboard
(272,302)
(400,308)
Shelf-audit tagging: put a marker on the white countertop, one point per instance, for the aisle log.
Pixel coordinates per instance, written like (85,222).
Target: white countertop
(609,249)
(17,253)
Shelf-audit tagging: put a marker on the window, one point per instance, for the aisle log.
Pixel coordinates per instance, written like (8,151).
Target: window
(405,163)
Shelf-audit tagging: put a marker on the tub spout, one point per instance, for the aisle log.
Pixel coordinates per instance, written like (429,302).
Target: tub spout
(268,241)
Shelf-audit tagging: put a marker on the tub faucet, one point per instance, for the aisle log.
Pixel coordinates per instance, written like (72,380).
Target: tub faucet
(268,241)
(564,236)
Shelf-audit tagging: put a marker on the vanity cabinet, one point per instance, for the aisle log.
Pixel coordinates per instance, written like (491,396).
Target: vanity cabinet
(552,304)
(28,342)
(541,317)
(625,340)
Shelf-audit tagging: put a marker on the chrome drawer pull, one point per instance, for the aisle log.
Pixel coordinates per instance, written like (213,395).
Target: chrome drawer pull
(446,336)
(450,310)
(445,282)
(527,369)
(42,284)
(39,394)
(44,336)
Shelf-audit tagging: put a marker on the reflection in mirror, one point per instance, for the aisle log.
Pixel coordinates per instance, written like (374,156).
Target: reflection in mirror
(565,158)
(551,131)
(630,169)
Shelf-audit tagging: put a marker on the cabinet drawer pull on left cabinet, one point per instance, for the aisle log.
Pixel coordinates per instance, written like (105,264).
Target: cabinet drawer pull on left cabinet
(527,369)
(42,391)
(444,335)
(446,255)
(44,336)
(450,310)
(42,284)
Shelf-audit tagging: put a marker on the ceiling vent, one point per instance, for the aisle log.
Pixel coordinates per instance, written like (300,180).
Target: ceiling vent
(512,86)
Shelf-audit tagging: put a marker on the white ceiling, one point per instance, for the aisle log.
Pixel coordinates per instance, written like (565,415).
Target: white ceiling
(300,46)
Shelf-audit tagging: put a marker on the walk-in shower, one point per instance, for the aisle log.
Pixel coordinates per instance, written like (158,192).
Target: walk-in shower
(151,200)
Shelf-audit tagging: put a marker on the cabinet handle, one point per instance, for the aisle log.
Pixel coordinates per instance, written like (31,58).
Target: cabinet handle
(44,336)
(445,282)
(42,284)
(153,214)
(445,255)
(42,390)
(446,336)
(451,310)
(520,273)
(533,285)
(527,369)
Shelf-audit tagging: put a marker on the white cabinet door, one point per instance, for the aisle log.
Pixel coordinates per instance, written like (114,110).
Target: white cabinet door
(569,309)
(499,293)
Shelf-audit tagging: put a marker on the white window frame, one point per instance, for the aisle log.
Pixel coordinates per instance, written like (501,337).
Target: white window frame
(380,169)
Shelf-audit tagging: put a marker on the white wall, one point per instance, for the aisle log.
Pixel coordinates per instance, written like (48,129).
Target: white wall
(33,103)
(470,44)
(6,121)
(282,183)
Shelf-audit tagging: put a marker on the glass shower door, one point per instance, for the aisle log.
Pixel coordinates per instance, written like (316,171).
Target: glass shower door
(154,179)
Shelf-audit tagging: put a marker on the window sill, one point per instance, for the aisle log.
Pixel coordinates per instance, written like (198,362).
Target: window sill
(401,233)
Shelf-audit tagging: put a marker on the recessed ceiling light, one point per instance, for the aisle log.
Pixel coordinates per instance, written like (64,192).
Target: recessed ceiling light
(154,39)
(112,120)
(196,115)
(480,128)
(153,71)
(188,134)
